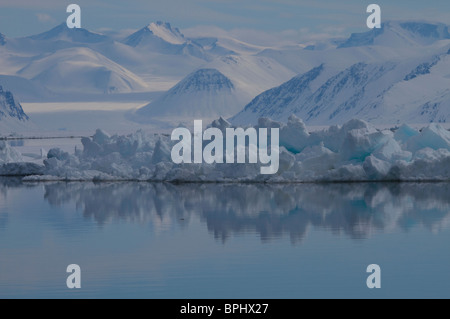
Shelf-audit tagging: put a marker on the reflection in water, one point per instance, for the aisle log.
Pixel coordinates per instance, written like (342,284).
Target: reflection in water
(10,182)
(202,241)
(5,185)
(272,211)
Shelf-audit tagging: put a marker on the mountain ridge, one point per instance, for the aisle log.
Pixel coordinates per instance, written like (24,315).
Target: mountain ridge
(422,32)
(388,92)
(328,80)
(62,32)
(10,108)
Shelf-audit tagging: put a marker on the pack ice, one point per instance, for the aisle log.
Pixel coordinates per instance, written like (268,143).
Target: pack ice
(355,151)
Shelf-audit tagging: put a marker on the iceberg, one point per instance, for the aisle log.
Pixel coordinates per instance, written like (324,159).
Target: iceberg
(355,151)
(8,154)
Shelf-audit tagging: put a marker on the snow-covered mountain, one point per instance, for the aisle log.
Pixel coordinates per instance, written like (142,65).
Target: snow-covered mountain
(205,93)
(58,38)
(159,55)
(220,89)
(251,74)
(399,34)
(398,70)
(160,37)
(63,33)
(412,91)
(81,70)
(9,107)
(394,41)
(12,115)
(159,31)
(214,46)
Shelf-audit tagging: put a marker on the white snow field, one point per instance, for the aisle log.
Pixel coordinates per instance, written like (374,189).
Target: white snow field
(355,151)
(60,119)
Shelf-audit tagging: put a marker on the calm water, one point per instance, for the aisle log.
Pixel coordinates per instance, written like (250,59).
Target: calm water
(224,241)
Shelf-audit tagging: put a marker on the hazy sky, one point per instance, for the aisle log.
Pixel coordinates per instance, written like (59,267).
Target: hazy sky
(288,17)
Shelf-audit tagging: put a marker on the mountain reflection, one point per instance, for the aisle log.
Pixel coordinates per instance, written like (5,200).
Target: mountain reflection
(272,211)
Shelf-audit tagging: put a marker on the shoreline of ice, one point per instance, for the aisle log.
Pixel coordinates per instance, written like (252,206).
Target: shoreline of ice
(353,152)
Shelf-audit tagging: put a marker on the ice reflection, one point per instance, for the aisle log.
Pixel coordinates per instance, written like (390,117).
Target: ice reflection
(272,211)
(6,185)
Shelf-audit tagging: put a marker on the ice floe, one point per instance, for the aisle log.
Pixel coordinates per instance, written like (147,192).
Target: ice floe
(355,151)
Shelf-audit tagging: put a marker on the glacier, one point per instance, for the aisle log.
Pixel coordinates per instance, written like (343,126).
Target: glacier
(354,152)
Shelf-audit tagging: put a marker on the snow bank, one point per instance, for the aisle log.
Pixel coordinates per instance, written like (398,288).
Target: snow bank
(356,151)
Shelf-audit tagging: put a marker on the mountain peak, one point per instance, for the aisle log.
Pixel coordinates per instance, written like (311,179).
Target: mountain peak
(62,32)
(2,39)
(161,37)
(156,31)
(165,31)
(203,80)
(9,107)
(205,93)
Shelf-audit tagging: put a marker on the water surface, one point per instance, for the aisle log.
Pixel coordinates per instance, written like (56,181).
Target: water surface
(148,240)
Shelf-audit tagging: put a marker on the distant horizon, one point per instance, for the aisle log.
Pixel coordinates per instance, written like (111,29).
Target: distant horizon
(209,30)
(283,20)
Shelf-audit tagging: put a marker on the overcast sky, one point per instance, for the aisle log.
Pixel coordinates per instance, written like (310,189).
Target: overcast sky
(290,18)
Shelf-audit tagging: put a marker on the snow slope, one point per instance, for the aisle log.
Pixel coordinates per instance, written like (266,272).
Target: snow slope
(27,89)
(400,34)
(156,34)
(205,93)
(58,38)
(161,38)
(81,70)
(223,46)
(251,74)
(63,33)
(412,91)
(12,116)
(392,42)
(165,32)
(222,89)
(9,107)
